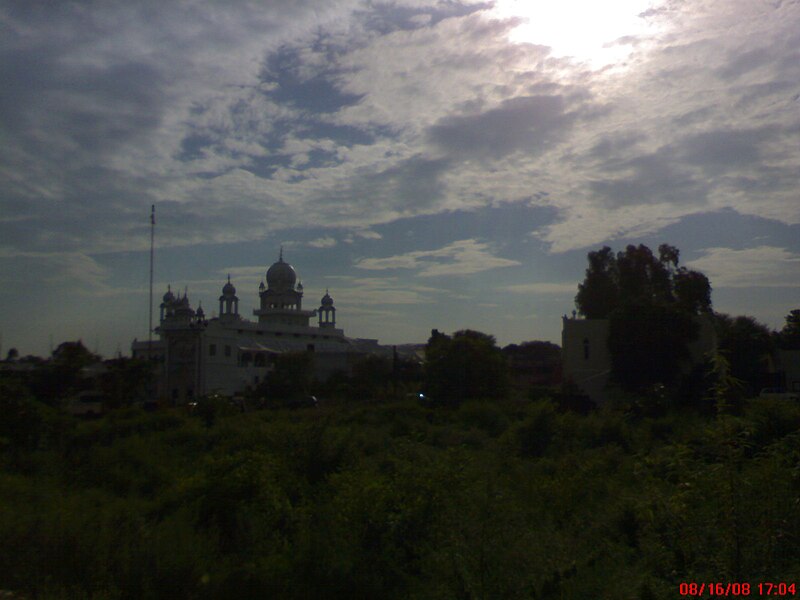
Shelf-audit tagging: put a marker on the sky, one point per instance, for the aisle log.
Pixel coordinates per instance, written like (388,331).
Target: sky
(434,164)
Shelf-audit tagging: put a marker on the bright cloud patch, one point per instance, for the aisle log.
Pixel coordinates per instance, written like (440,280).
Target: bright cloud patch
(543,288)
(323,242)
(764,266)
(463,257)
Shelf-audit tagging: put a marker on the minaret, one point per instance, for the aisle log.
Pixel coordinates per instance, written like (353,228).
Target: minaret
(327,312)
(228,302)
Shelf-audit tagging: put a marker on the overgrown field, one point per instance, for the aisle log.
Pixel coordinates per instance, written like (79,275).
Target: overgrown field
(491,500)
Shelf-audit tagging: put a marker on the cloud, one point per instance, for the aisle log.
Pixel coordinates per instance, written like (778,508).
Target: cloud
(543,288)
(463,257)
(527,123)
(323,242)
(72,272)
(261,116)
(379,291)
(763,266)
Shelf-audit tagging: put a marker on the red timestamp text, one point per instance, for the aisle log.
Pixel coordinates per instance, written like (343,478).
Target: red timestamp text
(736,589)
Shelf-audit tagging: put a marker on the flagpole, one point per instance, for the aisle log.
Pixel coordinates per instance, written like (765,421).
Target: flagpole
(150,324)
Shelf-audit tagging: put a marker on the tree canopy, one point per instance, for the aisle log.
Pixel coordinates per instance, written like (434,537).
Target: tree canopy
(467,366)
(637,277)
(650,301)
(789,336)
(747,345)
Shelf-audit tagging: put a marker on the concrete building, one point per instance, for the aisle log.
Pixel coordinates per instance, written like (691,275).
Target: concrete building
(788,369)
(228,353)
(587,361)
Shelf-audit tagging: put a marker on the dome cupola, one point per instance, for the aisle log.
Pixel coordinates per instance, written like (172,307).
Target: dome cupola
(228,302)
(326,311)
(281,275)
(228,289)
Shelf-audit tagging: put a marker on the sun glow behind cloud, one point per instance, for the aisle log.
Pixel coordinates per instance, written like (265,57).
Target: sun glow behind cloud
(596,33)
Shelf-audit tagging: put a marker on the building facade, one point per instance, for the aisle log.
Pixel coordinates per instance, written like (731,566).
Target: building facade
(229,353)
(587,360)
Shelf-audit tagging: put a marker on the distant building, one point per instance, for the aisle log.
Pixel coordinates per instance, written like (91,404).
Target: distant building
(228,353)
(587,361)
(787,367)
(533,364)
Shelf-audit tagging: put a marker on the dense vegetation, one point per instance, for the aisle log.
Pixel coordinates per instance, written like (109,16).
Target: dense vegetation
(489,499)
(484,489)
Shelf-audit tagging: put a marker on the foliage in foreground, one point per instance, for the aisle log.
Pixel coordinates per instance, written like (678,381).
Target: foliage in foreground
(487,500)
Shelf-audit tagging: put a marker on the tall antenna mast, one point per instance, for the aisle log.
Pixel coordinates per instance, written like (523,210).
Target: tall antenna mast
(152,238)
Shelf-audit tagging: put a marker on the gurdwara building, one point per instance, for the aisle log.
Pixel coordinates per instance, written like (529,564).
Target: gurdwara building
(228,353)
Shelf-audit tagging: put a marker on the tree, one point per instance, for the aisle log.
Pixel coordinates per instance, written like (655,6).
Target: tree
(649,344)
(637,277)
(74,356)
(747,345)
(21,424)
(789,336)
(371,375)
(62,375)
(598,295)
(467,366)
(650,302)
(533,363)
(291,377)
(126,381)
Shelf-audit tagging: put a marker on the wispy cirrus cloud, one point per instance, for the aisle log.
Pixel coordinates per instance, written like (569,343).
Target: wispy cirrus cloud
(762,266)
(463,257)
(543,288)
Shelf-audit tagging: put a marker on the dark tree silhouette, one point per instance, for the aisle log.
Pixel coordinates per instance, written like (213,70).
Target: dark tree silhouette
(636,276)
(789,336)
(748,345)
(467,366)
(650,302)
(291,377)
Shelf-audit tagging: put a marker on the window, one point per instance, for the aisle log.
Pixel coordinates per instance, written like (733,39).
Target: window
(310,347)
(212,349)
(255,379)
(227,350)
(585,348)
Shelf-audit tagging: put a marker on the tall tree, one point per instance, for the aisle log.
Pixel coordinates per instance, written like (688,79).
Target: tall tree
(598,295)
(650,302)
(748,346)
(467,366)
(635,277)
(789,336)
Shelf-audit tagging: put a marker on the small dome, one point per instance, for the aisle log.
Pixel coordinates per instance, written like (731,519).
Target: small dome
(228,289)
(169,296)
(326,299)
(281,276)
